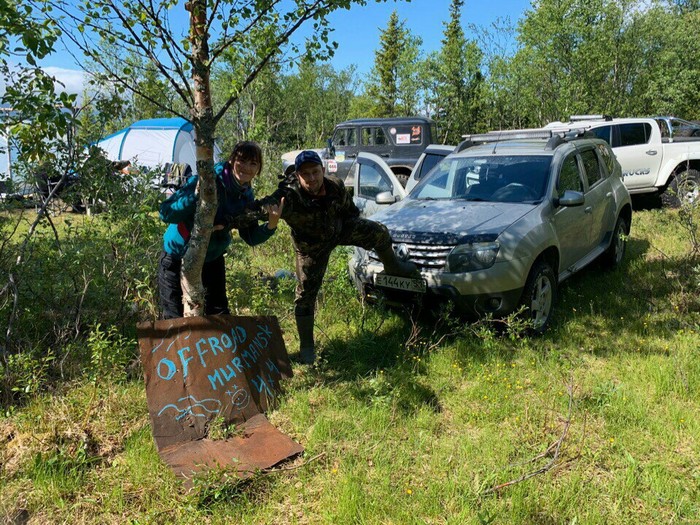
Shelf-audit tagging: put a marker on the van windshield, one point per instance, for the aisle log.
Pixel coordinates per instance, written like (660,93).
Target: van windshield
(493,178)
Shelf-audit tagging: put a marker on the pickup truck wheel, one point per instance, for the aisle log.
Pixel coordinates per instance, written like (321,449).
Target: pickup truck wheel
(539,295)
(612,257)
(683,189)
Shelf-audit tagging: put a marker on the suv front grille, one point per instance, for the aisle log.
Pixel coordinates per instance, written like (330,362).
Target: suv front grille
(429,257)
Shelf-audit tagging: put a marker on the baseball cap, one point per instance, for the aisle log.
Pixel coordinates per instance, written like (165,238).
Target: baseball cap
(307,156)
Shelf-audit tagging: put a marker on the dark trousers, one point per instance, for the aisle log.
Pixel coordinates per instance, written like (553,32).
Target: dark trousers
(213,278)
(312,260)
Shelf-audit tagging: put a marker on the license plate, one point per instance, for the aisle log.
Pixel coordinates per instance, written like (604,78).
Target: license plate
(400,283)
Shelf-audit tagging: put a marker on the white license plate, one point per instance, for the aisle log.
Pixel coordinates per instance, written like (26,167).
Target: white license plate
(400,283)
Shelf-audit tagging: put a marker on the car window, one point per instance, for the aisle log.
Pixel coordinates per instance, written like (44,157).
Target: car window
(592,167)
(633,134)
(373,136)
(663,127)
(344,137)
(352,174)
(407,134)
(340,137)
(372,181)
(603,132)
(607,157)
(429,162)
(569,176)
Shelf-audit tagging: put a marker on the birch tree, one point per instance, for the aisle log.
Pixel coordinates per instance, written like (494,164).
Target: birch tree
(255,32)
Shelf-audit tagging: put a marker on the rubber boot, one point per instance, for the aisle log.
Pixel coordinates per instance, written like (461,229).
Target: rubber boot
(305,327)
(392,266)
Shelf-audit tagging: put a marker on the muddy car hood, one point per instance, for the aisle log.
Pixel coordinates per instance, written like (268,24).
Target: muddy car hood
(449,221)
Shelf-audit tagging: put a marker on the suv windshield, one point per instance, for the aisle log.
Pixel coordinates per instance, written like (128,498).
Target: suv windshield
(492,178)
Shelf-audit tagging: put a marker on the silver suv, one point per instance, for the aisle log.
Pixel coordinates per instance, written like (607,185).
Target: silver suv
(498,223)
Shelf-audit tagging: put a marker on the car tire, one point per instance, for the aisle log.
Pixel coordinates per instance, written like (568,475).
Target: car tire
(613,256)
(683,189)
(403,179)
(540,295)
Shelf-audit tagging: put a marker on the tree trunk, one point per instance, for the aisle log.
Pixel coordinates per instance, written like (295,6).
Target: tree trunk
(203,121)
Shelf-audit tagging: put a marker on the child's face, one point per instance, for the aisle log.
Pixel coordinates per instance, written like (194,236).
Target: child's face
(245,170)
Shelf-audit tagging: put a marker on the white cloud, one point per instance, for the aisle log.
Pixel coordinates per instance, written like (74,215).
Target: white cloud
(73,80)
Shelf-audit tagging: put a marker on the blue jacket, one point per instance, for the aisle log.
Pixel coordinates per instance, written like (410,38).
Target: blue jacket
(178,210)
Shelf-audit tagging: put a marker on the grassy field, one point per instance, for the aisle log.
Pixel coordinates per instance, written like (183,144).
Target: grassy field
(428,420)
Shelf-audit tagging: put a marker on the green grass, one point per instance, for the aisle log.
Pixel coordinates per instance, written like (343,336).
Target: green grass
(407,423)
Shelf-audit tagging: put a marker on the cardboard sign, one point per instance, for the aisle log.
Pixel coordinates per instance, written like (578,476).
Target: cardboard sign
(198,369)
(257,445)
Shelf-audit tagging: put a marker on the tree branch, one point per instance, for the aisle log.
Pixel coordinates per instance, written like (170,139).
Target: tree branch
(309,13)
(139,43)
(226,43)
(554,449)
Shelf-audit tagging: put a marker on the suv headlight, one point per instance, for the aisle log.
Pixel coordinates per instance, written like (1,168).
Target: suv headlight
(471,257)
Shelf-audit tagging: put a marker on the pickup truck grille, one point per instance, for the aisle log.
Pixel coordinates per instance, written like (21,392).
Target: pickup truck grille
(427,257)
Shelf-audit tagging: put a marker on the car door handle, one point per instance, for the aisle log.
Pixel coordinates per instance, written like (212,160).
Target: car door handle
(609,195)
(351,155)
(588,209)
(651,152)
(384,155)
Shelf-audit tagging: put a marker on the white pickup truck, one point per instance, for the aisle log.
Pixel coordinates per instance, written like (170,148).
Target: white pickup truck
(658,155)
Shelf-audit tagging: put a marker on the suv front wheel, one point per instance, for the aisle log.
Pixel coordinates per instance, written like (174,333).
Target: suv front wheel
(612,257)
(539,295)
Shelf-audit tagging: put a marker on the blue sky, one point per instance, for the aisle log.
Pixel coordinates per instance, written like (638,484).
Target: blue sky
(357,31)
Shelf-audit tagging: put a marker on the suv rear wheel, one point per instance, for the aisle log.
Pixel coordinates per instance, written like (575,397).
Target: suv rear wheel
(539,295)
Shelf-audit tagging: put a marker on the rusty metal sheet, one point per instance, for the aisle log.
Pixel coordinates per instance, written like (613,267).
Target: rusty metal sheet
(221,367)
(258,445)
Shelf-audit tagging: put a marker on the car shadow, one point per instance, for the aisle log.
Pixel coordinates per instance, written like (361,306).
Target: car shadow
(646,201)
(626,302)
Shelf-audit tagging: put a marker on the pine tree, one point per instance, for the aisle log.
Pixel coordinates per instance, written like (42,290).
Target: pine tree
(458,80)
(393,88)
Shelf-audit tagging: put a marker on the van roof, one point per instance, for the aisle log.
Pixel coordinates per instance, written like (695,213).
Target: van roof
(393,120)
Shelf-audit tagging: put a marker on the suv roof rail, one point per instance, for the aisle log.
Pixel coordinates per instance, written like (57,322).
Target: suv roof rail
(464,145)
(555,141)
(555,137)
(578,118)
(508,134)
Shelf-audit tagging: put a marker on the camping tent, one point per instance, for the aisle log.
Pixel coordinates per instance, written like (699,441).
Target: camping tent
(154,142)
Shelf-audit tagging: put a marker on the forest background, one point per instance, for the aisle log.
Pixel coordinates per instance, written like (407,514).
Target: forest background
(621,58)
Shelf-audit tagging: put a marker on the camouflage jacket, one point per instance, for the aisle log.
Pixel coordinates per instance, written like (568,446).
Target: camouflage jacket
(316,223)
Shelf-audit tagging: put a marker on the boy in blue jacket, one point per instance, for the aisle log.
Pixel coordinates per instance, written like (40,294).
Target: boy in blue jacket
(234,193)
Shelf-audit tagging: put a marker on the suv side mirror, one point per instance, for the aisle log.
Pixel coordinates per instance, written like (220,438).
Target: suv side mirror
(331,148)
(571,198)
(386,197)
